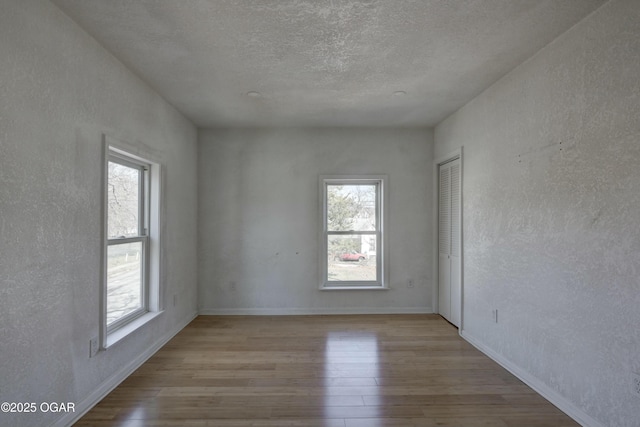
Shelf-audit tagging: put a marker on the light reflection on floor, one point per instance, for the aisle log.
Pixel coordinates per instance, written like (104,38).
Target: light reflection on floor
(136,418)
(351,365)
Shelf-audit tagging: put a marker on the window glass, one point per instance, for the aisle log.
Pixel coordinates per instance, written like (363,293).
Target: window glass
(351,259)
(124,280)
(351,207)
(123,198)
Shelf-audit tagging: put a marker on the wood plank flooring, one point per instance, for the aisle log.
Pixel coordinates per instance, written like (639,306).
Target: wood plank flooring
(322,371)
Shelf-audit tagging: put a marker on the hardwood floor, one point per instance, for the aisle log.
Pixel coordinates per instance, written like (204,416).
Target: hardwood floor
(322,371)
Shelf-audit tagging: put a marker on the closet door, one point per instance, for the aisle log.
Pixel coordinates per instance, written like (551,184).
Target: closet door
(449,251)
(444,242)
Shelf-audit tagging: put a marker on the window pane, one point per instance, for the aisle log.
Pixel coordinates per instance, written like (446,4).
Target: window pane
(123,201)
(352,258)
(351,207)
(124,280)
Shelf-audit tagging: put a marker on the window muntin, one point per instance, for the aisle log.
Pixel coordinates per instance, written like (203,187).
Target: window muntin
(352,232)
(127,240)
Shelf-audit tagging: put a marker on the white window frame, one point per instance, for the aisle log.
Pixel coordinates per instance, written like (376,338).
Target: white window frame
(149,236)
(382,280)
(142,237)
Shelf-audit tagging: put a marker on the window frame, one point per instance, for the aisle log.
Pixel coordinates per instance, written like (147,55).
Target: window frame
(149,218)
(381,182)
(142,237)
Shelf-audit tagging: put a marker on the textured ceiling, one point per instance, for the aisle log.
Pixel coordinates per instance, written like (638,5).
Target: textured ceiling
(323,62)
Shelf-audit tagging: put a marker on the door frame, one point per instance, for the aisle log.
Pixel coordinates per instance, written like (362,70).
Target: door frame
(453,155)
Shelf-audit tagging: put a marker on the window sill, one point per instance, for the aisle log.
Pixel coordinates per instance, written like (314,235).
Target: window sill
(353,288)
(129,328)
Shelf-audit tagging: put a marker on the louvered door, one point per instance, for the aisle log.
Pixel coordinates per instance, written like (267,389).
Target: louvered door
(449,210)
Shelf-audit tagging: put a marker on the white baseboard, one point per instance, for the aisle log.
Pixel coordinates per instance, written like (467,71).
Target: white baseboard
(312,311)
(111,383)
(540,387)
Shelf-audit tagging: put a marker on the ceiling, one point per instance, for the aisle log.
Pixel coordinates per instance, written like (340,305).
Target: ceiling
(317,63)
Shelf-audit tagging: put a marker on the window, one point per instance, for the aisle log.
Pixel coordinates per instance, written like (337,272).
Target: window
(130,284)
(353,232)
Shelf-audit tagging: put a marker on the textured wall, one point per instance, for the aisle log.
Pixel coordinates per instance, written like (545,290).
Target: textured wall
(59,91)
(551,204)
(259,216)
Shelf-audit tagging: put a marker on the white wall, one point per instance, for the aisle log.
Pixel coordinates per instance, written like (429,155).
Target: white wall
(259,218)
(59,92)
(551,209)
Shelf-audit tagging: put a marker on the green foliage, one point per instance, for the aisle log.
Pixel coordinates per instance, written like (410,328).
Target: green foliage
(341,245)
(351,207)
(341,210)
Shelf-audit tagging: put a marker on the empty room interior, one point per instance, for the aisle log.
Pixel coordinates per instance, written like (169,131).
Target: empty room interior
(320,213)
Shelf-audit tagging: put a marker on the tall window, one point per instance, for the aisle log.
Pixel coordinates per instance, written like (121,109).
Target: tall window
(127,239)
(131,280)
(353,225)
